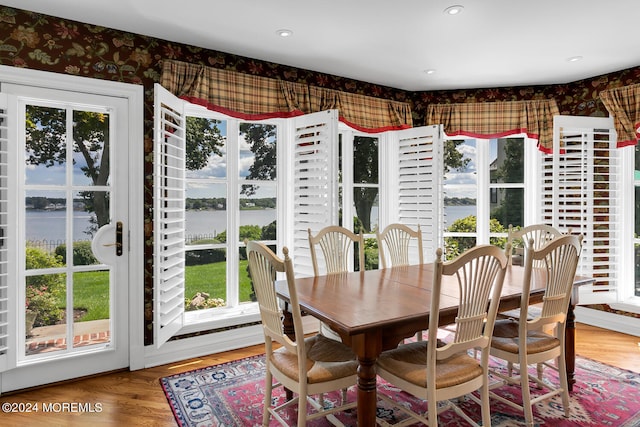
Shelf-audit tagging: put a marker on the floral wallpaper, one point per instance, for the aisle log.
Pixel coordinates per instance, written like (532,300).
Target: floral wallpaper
(36,41)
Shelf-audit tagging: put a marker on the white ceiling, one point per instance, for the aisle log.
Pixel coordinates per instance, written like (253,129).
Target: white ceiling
(492,43)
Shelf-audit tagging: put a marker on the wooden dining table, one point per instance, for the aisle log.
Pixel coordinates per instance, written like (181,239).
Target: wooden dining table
(374,310)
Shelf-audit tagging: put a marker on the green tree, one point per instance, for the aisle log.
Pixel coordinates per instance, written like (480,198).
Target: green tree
(511,206)
(46,145)
(203,138)
(453,158)
(365,171)
(261,139)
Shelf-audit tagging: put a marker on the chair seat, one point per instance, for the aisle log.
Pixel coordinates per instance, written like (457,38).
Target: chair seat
(327,360)
(505,338)
(409,362)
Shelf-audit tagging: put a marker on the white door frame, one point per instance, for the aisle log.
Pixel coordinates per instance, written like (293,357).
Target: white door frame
(134,96)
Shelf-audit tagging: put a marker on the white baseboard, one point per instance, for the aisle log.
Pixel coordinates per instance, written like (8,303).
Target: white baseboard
(603,319)
(187,348)
(233,339)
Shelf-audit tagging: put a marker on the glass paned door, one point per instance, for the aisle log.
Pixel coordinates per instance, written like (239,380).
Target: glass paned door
(67,194)
(71,239)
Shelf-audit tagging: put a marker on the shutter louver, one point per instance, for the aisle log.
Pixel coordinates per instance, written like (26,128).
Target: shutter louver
(314,181)
(581,193)
(419,195)
(169,215)
(6,361)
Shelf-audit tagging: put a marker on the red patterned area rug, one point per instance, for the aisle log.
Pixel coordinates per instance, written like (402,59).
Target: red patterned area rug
(231,394)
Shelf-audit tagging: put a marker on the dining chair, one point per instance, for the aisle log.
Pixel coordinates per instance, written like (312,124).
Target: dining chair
(307,366)
(540,233)
(539,339)
(518,238)
(394,244)
(337,245)
(438,371)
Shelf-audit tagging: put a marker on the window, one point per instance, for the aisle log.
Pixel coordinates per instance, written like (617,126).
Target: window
(462,192)
(216,184)
(231,195)
(636,231)
(359,187)
(630,278)
(484,190)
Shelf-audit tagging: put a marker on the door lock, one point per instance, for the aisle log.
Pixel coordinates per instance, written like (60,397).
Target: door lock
(118,243)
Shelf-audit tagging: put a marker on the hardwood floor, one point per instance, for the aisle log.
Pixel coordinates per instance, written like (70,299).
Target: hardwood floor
(135,398)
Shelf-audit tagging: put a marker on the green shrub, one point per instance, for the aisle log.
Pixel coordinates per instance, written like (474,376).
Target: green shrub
(371,257)
(43,291)
(269,231)
(82,253)
(454,246)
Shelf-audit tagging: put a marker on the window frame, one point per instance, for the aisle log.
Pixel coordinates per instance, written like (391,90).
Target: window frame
(346,185)
(484,187)
(628,301)
(238,313)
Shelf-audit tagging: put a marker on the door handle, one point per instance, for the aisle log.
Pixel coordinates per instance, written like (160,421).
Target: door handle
(118,243)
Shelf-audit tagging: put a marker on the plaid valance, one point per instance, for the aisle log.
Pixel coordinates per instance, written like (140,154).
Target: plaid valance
(497,119)
(254,98)
(623,103)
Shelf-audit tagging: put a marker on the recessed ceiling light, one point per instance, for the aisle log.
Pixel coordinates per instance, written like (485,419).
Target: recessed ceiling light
(284,33)
(454,10)
(430,71)
(574,59)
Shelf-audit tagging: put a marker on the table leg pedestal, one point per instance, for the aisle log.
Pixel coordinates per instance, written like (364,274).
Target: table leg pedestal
(367,394)
(289,330)
(368,348)
(570,346)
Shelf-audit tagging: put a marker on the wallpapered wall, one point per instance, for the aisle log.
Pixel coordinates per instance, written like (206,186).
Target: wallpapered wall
(36,41)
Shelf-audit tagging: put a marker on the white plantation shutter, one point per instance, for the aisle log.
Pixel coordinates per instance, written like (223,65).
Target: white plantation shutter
(7,295)
(315,182)
(581,193)
(419,197)
(169,214)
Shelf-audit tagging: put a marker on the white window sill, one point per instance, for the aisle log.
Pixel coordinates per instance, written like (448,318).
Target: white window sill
(631,305)
(216,318)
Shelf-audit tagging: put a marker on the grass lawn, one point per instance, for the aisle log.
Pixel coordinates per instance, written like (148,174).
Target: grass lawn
(91,293)
(91,289)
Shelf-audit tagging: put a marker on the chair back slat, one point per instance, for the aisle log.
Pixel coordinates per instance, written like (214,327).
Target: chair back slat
(395,245)
(337,245)
(336,248)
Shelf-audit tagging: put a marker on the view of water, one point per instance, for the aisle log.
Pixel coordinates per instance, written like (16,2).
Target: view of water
(214,222)
(50,225)
(452,213)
